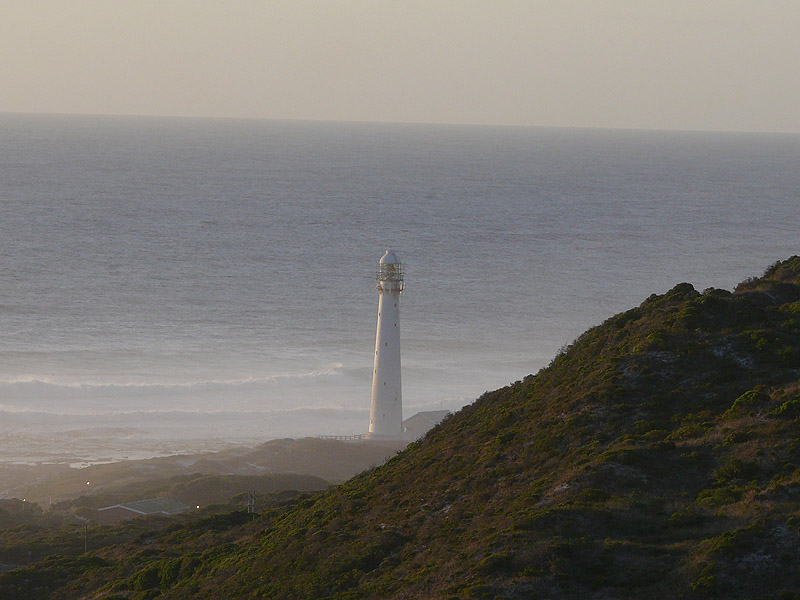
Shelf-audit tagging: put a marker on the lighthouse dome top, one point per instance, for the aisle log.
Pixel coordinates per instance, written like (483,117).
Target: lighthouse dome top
(390,258)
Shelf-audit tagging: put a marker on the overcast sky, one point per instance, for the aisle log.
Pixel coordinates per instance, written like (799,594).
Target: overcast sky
(700,64)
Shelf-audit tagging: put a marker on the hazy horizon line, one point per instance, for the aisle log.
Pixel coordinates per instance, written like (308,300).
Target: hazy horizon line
(399,122)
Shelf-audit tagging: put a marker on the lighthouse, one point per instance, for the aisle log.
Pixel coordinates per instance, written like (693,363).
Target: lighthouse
(386,413)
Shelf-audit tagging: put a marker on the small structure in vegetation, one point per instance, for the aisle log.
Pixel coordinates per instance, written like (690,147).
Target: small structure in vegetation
(140,508)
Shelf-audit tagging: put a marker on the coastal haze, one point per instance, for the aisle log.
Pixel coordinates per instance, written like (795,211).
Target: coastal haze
(173,285)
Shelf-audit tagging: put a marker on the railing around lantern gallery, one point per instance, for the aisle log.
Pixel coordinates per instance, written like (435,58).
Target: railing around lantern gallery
(390,272)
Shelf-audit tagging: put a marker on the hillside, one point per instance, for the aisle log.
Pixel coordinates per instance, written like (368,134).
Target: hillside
(656,457)
(331,460)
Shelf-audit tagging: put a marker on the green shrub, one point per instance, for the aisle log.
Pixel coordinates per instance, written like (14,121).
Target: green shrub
(735,470)
(747,403)
(496,563)
(789,409)
(146,579)
(589,495)
(687,517)
(737,437)
(719,497)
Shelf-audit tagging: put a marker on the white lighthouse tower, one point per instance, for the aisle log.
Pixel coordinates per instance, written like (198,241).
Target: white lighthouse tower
(386,414)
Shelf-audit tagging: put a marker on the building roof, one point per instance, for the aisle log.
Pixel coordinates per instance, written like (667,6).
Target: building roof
(431,417)
(153,506)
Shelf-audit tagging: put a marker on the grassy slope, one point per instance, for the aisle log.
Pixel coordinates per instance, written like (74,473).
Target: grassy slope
(657,457)
(26,528)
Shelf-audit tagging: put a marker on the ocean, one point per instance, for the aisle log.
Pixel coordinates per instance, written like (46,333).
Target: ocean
(175,285)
